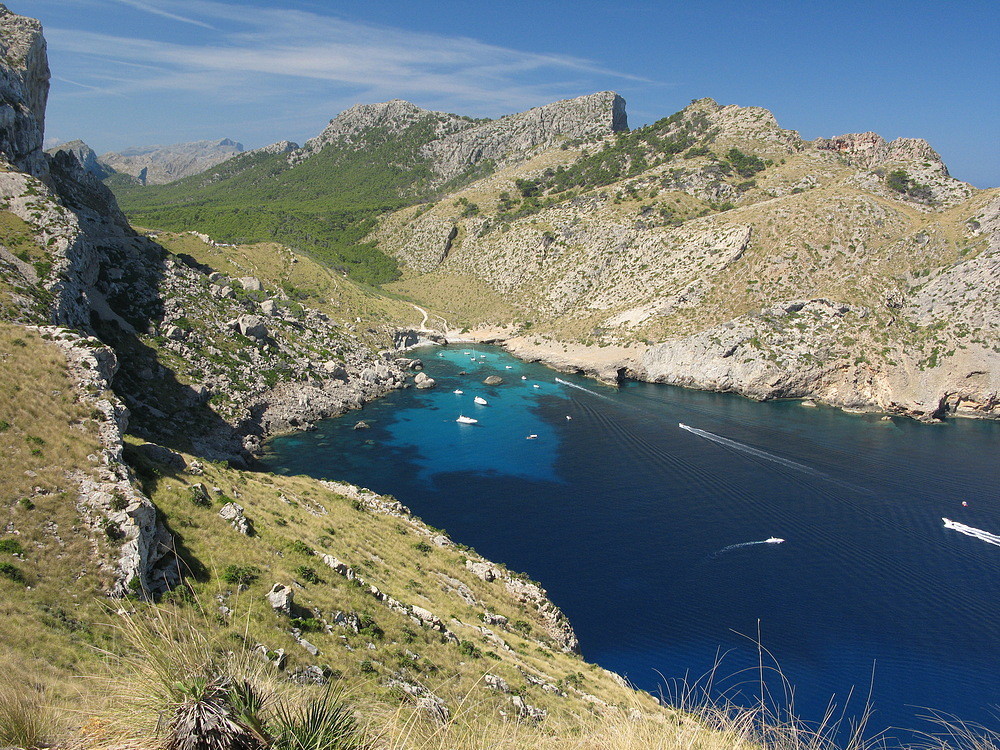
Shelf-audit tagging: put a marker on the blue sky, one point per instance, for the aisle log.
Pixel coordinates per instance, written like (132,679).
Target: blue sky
(140,72)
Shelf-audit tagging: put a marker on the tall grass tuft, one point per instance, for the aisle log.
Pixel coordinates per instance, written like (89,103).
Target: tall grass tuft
(26,719)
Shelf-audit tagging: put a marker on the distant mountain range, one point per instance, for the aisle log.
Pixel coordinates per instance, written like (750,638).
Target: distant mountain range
(154,165)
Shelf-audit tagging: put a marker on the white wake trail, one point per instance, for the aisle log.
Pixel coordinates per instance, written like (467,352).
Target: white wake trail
(972,531)
(750,450)
(581,388)
(741,545)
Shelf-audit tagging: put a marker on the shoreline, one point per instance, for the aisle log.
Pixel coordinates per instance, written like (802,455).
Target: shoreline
(613,365)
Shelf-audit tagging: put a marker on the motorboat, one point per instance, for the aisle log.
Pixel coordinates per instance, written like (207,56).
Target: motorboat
(462,419)
(532,437)
(773,540)
(458,392)
(480,400)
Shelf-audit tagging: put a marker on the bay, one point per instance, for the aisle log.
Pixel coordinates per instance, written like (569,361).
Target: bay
(652,537)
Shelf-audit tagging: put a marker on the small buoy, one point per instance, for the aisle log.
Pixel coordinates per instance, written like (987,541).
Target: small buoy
(965,504)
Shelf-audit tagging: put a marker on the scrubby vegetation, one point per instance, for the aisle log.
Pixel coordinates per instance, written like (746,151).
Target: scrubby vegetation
(324,206)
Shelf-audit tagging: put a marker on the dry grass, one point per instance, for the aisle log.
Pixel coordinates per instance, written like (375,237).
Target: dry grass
(45,620)
(304,279)
(28,716)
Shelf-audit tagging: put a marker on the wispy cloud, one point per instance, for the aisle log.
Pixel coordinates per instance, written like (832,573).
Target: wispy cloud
(138,5)
(257,54)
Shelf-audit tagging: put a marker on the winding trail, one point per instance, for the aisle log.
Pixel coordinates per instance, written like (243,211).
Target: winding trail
(423,323)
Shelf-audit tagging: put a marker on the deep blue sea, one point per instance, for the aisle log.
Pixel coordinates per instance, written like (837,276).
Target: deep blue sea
(651,537)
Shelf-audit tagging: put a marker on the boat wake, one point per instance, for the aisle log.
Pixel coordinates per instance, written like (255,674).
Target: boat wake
(743,545)
(581,388)
(751,451)
(972,531)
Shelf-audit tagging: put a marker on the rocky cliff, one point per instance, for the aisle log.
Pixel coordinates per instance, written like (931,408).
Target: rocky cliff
(24,89)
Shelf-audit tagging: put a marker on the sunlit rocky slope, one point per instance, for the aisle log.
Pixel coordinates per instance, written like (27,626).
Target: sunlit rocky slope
(717,250)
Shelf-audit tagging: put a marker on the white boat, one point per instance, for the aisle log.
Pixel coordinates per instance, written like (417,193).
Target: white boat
(462,419)
(480,400)
(458,392)
(536,386)
(773,540)
(532,437)
(509,367)
(524,377)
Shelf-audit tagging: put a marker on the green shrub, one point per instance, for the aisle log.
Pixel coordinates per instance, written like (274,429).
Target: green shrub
(240,575)
(11,572)
(308,574)
(11,547)
(301,547)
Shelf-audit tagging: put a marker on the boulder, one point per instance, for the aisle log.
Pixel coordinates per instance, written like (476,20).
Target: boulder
(482,569)
(493,380)
(281,598)
(159,454)
(422,380)
(233,513)
(251,326)
(269,307)
(334,369)
(251,284)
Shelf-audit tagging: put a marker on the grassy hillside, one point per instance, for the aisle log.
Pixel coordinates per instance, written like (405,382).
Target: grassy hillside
(324,205)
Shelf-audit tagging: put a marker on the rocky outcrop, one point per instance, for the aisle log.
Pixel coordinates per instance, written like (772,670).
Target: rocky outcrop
(512,138)
(354,126)
(457,144)
(86,156)
(281,147)
(809,349)
(109,500)
(24,90)
(870,150)
(157,165)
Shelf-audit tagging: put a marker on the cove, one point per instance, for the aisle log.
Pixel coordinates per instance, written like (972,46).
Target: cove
(651,537)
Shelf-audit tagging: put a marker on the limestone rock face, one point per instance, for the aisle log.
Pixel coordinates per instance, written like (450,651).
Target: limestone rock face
(157,165)
(24,90)
(394,116)
(511,138)
(460,143)
(86,156)
(871,150)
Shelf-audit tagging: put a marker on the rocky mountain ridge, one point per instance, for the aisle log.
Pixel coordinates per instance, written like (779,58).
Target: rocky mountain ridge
(455,144)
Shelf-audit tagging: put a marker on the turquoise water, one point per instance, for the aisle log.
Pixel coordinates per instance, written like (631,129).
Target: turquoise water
(652,537)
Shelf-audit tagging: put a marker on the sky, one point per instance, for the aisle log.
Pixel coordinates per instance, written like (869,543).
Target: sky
(142,72)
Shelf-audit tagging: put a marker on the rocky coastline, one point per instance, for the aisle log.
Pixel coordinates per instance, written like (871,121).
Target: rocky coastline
(693,363)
